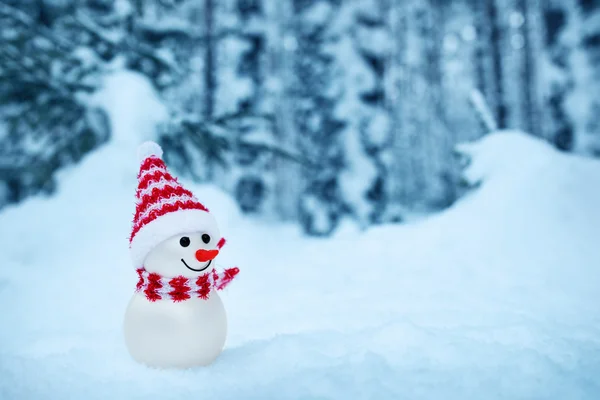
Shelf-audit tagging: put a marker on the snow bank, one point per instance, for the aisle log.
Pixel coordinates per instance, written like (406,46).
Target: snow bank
(495,298)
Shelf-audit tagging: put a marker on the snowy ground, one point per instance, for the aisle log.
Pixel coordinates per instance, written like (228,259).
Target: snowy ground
(496,298)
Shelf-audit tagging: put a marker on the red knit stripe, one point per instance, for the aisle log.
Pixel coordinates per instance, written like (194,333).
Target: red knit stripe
(154,177)
(157,195)
(180,287)
(141,280)
(150,162)
(227,277)
(153,286)
(167,208)
(204,285)
(230,273)
(150,285)
(168,185)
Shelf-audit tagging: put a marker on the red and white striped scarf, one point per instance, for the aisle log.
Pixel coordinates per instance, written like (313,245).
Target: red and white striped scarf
(180,288)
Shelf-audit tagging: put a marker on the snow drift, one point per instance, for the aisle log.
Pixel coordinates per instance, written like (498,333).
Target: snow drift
(497,297)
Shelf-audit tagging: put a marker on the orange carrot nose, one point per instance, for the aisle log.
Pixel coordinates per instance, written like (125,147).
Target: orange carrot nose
(206,255)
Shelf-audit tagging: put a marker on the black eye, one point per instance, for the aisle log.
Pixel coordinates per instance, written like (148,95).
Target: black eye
(184,241)
(205,238)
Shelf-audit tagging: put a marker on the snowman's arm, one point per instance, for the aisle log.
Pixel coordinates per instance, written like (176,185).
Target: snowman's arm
(222,279)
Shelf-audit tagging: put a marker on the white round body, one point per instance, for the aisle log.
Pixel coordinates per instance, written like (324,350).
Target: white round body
(167,334)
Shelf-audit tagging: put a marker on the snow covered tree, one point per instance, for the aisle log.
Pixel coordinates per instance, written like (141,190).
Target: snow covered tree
(440,137)
(512,63)
(422,138)
(281,46)
(124,30)
(521,42)
(194,142)
(364,43)
(488,58)
(321,205)
(242,90)
(221,129)
(53,56)
(559,83)
(184,38)
(303,110)
(581,40)
(45,120)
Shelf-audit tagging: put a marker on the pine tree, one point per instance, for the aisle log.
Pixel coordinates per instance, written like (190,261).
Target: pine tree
(222,129)
(307,110)
(194,141)
(251,171)
(43,82)
(441,136)
(126,30)
(54,54)
(321,205)
(361,56)
(488,58)
(511,62)
(282,44)
(536,99)
(464,68)
(559,82)
(581,104)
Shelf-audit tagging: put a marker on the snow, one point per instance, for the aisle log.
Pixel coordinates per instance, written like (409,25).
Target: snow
(379,127)
(354,80)
(237,88)
(376,41)
(169,24)
(290,43)
(123,8)
(354,180)
(318,14)
(468,33)
(591,24)
(495,298)
(134,107)
(148,149)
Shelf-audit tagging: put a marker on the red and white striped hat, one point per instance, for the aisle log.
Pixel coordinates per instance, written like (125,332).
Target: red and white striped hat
(164,208)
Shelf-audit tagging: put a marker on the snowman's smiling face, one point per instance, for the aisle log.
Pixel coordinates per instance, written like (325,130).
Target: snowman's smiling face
(189,255)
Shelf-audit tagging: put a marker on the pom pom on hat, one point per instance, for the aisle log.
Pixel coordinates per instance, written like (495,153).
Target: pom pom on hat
(149,149)
(164,208)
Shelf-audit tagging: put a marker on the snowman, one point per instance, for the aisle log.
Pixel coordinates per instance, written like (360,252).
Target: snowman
(175,318)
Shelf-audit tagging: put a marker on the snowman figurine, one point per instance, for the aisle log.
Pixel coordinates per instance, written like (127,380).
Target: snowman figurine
(175,318)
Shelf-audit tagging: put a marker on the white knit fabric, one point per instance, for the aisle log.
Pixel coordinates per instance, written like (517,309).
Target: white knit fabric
(148,149)
(157,185)
(160,204)
(179,222)
(151,170)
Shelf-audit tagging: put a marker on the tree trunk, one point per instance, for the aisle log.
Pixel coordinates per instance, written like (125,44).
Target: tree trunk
(442,190)
(401,178)
(210,83)
(528,78)
(536,33)
(209,72)
(496,40)
(288,175)
(486,56)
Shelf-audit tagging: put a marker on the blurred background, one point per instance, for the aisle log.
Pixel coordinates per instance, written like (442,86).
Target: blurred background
(303,110)
(410,189)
